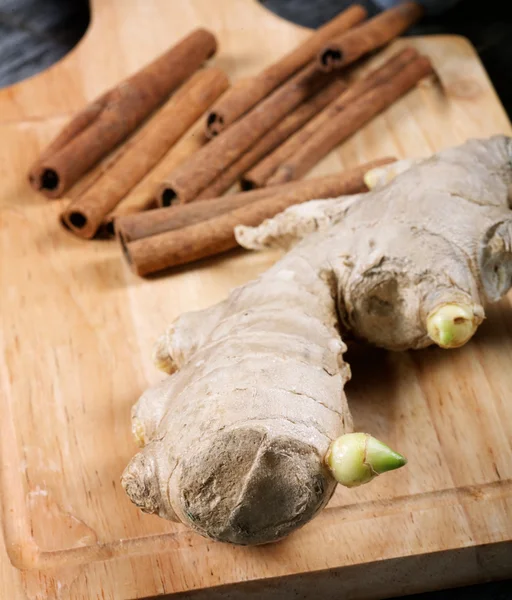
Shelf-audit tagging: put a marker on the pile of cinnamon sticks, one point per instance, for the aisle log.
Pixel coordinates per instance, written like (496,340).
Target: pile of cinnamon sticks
(153,155)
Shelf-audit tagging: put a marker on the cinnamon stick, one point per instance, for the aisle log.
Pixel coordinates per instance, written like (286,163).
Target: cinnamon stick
(350,120)
(137,226)
(186,182)
(215,235)
(301,115)
(170,217)
(85,214)
(142,197)
(107,121)
(142,225)
(261,173)
(241,98)
(369,36)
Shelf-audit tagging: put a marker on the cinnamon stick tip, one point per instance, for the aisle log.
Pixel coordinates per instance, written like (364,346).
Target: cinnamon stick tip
(407,53)
(46,180)
(214,124)
(425,64)
(76,221)
(167,196)
(247,184)
(50,179)
(414,10)
(358,9)
(207,33)
(330,58)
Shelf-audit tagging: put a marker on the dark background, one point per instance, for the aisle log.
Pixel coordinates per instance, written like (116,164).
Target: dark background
(36,33)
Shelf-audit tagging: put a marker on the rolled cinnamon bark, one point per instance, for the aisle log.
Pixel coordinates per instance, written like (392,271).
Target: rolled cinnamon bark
(156,221)
(186,182)
(369,36)
(215,235)
(142,197)
(260,174)
(241,98)
(99,127)
(134,227)
(350,120)
(85,214)
(272,139)
(142,225)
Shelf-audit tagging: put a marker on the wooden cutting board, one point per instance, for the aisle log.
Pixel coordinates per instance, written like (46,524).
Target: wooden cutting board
(77,327)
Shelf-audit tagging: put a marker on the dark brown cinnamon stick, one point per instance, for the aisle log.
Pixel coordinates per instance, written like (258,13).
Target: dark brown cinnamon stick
(99,127)
(272,139)
(369,36)
(215,235)
(350,120)
(261,173)
(241,98)
(86,213)
(142,225)
(137,226)
(169,217)
(186,182)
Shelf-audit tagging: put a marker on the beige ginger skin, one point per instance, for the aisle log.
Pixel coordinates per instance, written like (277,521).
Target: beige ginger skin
(235,439)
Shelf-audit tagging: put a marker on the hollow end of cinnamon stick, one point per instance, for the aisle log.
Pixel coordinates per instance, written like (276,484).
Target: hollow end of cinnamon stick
(76,220)
(167,196)
(331,58)
(214,124)
(247,184)
(79,222)
(253,179)
(46,180)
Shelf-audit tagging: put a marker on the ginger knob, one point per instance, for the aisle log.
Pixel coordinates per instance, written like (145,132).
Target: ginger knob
(357,458)
(452,325)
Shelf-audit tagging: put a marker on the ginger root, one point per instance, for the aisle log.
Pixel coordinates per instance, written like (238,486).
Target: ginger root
(241,441)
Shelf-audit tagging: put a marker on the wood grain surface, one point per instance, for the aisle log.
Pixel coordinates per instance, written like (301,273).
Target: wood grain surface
(76,330)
